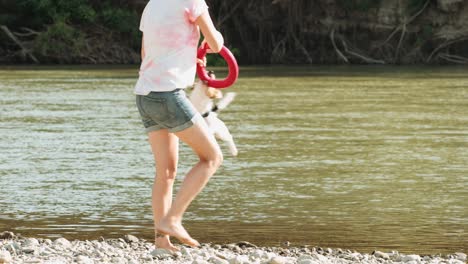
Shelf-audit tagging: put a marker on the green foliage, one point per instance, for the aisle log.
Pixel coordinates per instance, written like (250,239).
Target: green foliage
(358,5)
(121,20)
(427,31)
(7,19)
(415,5)
(77,11)
(60,41)
(215,60)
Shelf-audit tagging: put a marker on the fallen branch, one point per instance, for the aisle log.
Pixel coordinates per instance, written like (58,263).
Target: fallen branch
(303,49)
(444,45)
(226,17)
(362,57)
(350,52)
(24,51)
(405,24)
(453,58)
(28,32)
(403,32)
(279,50)
(340,54)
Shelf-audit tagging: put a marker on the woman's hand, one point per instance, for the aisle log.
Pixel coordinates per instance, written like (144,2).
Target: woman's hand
(202,62)
(203,43)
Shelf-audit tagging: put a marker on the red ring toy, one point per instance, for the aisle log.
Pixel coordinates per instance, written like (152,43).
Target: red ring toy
(232,66)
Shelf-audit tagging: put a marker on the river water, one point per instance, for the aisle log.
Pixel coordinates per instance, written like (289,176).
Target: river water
(352,157)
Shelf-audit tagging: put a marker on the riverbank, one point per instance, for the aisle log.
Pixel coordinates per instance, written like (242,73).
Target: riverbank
(289,32)
(131,250)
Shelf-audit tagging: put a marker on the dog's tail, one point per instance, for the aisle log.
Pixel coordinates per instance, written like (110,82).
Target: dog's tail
(226,100)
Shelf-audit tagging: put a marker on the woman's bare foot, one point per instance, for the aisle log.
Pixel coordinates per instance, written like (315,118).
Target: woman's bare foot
(163,241)
(175,229)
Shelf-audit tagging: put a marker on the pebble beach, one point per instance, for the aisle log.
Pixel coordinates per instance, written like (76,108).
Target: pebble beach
(132,250)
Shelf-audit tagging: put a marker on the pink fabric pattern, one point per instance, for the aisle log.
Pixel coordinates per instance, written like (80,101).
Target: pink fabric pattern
(170,43)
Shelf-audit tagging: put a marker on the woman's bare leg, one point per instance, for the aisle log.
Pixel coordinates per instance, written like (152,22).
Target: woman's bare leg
(165,148)
(210,157)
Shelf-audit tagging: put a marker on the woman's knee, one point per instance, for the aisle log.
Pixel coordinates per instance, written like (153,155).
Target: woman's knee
(213,161)
(167,173)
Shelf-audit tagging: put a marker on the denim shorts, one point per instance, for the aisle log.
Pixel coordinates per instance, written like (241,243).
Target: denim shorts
(167,110)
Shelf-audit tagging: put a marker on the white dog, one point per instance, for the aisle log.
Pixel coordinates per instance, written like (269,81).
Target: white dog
(202,98)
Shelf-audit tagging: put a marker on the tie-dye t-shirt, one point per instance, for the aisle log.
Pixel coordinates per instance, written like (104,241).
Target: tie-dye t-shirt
(170,42)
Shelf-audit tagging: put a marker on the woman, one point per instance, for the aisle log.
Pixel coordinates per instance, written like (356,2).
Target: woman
(170,38)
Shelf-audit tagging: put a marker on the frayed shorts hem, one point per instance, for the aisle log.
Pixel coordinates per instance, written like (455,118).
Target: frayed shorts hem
(195,119)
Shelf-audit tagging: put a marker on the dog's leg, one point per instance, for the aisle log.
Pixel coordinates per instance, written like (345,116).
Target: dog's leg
(222,132)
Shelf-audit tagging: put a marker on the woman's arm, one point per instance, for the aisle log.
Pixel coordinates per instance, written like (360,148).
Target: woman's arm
(142,48)
(212,36)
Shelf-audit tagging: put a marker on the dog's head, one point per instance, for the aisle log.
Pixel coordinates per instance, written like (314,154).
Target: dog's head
(211,92)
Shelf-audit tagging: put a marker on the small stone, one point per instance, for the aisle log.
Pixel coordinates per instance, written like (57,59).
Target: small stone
(30,242)
(460,256)
(62,242)
(161,253)
(29,250)
(321,258)
(355,256)
(13,247)
(7,235)
(277,260)
(216,260)
(84,260)
(229,246)
(307,261)
(205,254)
(120,245)
(257,254)
(304,257)
(199,261)
(285,244)
(33,261)
(132,261)
(236,249)
(239,259)
(409,258)
(246,244)
(118,260)
(5,257)
(269,255)
(185,252)
(379,254)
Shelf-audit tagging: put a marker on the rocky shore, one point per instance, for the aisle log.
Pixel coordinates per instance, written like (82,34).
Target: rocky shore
(131,250)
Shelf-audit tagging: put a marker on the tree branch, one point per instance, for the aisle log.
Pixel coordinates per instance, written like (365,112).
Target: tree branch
(17,42)
(340,54)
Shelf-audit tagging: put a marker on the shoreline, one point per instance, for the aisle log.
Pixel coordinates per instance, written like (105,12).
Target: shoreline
(131,250)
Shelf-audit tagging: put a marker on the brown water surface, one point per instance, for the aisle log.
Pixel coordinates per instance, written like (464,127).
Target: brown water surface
(353,157)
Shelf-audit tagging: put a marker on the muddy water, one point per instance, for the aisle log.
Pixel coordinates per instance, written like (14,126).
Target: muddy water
(352,157)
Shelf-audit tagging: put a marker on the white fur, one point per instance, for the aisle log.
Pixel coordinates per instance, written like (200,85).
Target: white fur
(203,104)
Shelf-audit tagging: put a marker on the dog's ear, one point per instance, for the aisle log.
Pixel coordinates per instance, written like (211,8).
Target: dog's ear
(219,94)
(214,93)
